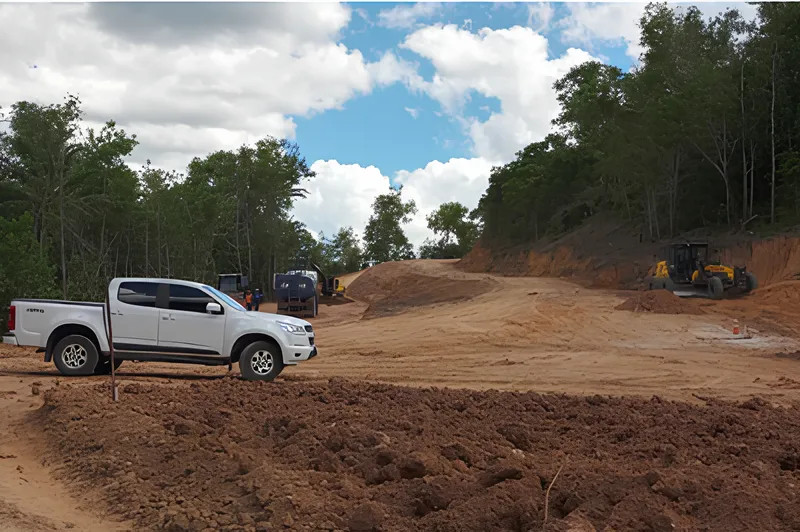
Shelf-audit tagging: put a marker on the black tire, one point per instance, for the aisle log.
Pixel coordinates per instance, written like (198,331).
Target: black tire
(715,288)
(261,361)
(103,367)
(752,282)
(75,355)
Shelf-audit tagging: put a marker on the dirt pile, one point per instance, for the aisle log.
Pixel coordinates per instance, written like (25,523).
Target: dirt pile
(660,302)
(392,287)
(228,455)
(785,294)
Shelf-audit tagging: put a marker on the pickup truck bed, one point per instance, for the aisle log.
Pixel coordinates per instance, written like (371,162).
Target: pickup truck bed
(160,320)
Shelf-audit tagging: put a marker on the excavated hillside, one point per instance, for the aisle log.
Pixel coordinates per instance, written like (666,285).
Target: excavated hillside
(607,253)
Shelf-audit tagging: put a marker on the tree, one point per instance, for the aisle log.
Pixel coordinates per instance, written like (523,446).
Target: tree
(22,273)
(384,237)
(343,252)
(456,230)
(94,218)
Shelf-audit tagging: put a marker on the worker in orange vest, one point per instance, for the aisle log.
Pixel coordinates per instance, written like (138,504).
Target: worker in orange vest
(248,299)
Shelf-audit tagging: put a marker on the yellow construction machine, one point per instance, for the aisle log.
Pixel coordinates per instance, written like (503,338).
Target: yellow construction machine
(684,268)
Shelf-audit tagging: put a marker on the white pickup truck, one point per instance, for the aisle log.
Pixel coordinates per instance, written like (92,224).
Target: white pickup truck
(160,320)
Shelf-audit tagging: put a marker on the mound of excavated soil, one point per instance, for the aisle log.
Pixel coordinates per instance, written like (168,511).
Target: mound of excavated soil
(785,294)
(660,302)
(230,455)
(392,287)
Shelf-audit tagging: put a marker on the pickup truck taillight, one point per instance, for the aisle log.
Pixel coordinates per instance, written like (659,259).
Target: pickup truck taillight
(12,318)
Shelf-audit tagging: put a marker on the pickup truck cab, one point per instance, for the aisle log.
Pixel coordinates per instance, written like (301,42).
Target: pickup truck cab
(160,320)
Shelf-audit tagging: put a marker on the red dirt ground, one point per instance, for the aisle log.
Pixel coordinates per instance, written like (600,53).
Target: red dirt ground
(344,455)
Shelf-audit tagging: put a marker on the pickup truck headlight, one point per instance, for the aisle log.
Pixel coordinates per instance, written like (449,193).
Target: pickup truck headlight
(292,328)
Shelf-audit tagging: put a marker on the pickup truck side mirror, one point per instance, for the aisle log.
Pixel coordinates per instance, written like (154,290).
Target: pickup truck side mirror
(213,308)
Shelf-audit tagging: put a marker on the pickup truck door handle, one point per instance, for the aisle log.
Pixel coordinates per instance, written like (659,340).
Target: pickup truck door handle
(168,317)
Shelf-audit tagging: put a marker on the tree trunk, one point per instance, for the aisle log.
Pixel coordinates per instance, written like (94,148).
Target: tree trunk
(744,146)
(772,120)
(63,250)
(158,236)
(752,172)
(238,250)
(146,246)
(249,244)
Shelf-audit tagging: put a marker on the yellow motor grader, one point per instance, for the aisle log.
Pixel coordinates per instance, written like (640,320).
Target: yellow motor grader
(684,268)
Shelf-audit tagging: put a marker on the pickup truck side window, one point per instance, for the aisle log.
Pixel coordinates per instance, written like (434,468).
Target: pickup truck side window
(188,298)
(139,294)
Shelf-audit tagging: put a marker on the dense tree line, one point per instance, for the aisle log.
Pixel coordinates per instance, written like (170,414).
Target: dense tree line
(705,131)
(73,214)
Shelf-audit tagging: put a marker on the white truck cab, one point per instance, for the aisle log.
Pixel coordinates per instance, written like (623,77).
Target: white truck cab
(160,320)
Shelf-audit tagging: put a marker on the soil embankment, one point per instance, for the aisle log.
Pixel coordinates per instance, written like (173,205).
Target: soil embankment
(609,254)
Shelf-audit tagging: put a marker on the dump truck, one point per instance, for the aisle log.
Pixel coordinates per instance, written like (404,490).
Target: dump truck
(233,285)
(298,291)
(685,269)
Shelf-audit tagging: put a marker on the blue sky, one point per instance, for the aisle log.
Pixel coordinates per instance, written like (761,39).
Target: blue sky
(376,129)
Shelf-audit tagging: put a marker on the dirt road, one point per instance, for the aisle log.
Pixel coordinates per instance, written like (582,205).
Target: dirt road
(549,335)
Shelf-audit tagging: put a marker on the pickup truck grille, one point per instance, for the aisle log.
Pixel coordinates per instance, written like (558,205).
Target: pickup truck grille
(309,328)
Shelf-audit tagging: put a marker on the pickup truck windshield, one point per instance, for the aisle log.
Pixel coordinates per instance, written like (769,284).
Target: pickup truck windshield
(230,301)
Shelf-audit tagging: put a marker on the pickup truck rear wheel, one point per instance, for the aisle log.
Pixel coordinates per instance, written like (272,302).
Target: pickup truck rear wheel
(75,355)
(261,361)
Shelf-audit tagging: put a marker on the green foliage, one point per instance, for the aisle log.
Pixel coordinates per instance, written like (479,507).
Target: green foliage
(384,237)
(343,252)
(682,141)
(456,230)
(22,271)
(93,218)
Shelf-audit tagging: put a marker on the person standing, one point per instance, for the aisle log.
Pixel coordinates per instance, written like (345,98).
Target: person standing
(248,299)
(257,299)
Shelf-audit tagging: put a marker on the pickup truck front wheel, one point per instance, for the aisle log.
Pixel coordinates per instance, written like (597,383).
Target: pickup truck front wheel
(261,361)
(75,355)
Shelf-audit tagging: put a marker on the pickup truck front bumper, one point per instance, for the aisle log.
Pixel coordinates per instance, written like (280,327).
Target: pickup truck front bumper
(298,353)
(10,340)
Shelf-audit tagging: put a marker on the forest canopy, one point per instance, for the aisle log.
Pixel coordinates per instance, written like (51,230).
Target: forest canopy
(704,131)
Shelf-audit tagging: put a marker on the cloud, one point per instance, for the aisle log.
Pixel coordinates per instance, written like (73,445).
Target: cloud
(413,112)
(405,16)
(462,180)
(540,15)
(341,195)
(186,77)
(512,65)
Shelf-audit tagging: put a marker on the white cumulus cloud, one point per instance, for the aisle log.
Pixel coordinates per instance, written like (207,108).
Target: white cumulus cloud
(512,65)
(405,16)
